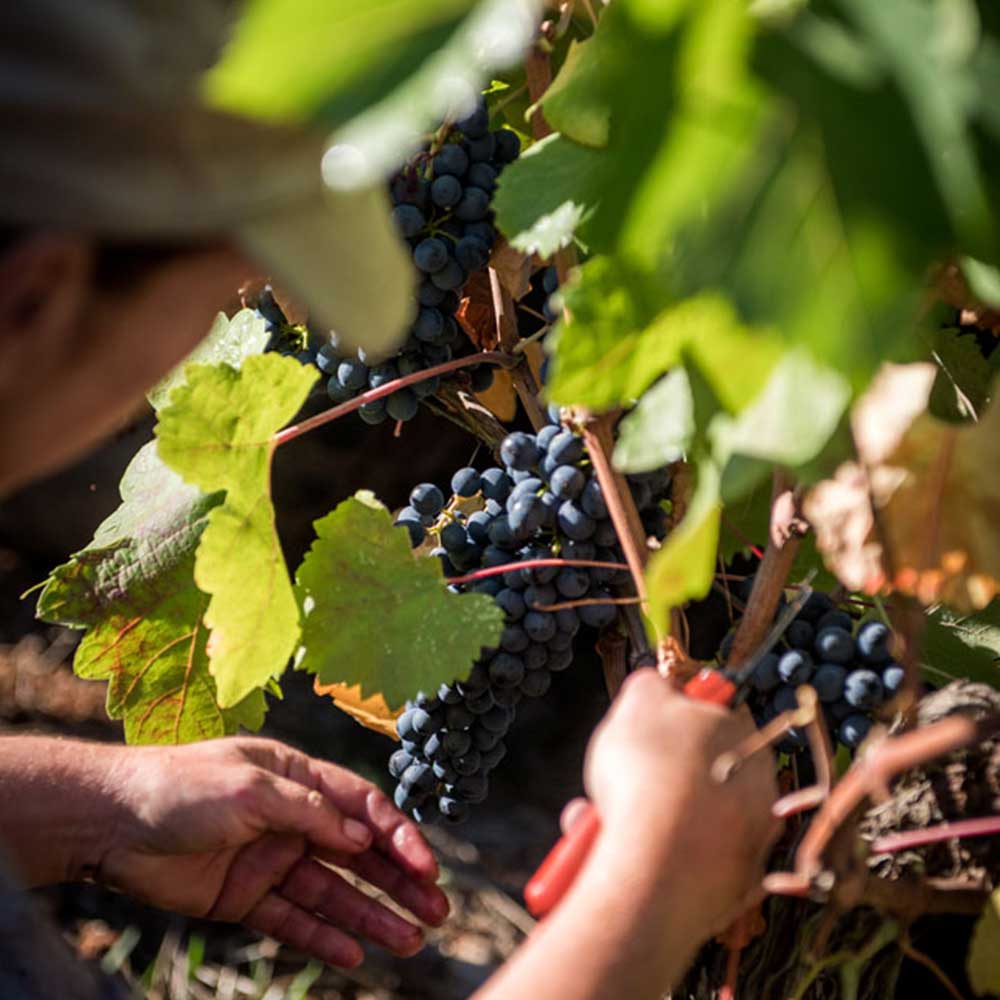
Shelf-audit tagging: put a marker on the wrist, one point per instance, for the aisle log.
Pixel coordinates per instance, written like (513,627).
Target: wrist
(60,808)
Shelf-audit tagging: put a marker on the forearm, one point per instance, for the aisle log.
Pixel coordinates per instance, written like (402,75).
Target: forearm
(58,805)
(628,927)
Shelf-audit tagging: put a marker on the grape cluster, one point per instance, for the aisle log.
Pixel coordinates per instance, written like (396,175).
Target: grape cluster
(543,502)
(849,664)
(441,207)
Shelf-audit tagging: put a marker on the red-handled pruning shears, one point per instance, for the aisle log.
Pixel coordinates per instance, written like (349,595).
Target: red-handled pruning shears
(718,687)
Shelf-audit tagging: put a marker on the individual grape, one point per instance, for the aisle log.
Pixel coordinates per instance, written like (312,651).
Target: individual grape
(428,294)
(482,230)
(529,485)
(471,252)
(535,657)
(402,405)
(539,596)
(539,626)
(482,175)
(565,448)
(476,123)
(429,325)
(352,374)
(410,519)
(448,694)
(446,191)
(854,729)
(508,145)
(399,762)
(430,255)
(567,482)
(598,615)
(508,697)
(407,800)
(409,220)
(453,810)
(481,149)
(765,675)
(573,582)
(514,639)
(519,451)
(450,159)
(492,756)
(471,788)
(526,515)
(457,718)
(337,392)
(465,483)
(559,659)
(873,643)
(453,536)
(536,683)
(373,412)
(480,703)
(863,689)
(426,498)
(795,667)
(592,500)
(381,375)
(817,605)
(473,204)
(436,354)
(892,678)
(550,280)
(511,603)
(834,645)
(800,634)
(573,522)
(506,669)
(829,682)
(835,619)
(785,700)
(327,359)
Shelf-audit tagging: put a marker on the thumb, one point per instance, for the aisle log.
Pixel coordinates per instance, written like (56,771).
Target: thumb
(285,806)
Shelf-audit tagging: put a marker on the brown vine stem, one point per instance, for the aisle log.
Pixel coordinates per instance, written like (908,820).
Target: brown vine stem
(538,73)
(482,574)
(505,317)
(335,412)
(772,574)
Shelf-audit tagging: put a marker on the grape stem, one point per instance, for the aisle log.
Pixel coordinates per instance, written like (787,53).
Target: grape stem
(584,602)
(787,528)
(482,574)
(983,826)
(342,409)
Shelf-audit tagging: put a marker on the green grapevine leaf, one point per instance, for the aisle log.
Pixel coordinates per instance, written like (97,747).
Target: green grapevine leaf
(333,59)
(615,346)
(133,590)
(684,566)
(575,103)
(547,193)
(660,429)
(956,646)
(217,433)
(983,964)
(228,341)
(376,615)
(962,388)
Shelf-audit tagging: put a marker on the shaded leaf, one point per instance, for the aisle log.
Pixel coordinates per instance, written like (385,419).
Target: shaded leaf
(547,193)
(575,103)
(228,341)
(964,379)
(133,591)
(376,616)
(955,646)
(983,964)
(660,429)
(217,433)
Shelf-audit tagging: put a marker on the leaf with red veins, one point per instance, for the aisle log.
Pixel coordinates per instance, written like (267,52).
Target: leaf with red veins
(935,488)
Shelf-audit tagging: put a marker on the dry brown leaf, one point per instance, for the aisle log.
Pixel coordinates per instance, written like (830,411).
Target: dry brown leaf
(475,312)
(372,713)
(935,489)
(513,269)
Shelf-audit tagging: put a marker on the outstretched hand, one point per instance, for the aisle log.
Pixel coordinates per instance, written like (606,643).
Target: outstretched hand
(236,830)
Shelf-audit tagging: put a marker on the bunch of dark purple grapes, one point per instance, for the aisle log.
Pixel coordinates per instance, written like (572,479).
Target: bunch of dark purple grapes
(441,207)
(849,663)
(543,503)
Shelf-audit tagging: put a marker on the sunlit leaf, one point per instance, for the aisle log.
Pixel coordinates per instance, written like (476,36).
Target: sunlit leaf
(216,433)
(379,617)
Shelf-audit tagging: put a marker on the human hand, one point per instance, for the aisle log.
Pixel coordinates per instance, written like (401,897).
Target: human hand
(235,830)
(647,772)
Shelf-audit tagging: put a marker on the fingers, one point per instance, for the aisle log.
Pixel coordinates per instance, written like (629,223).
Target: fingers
(290,807)
(423,899)
(317,889)
(397,837)
(571,813)
(254,871)
(282,920)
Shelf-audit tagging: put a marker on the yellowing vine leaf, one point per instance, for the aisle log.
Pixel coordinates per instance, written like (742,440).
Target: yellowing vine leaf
(372,713)
(217,434)
(936,489)
(133,590)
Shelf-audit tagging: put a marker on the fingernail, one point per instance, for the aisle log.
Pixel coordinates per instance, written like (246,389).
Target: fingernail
(357,832)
